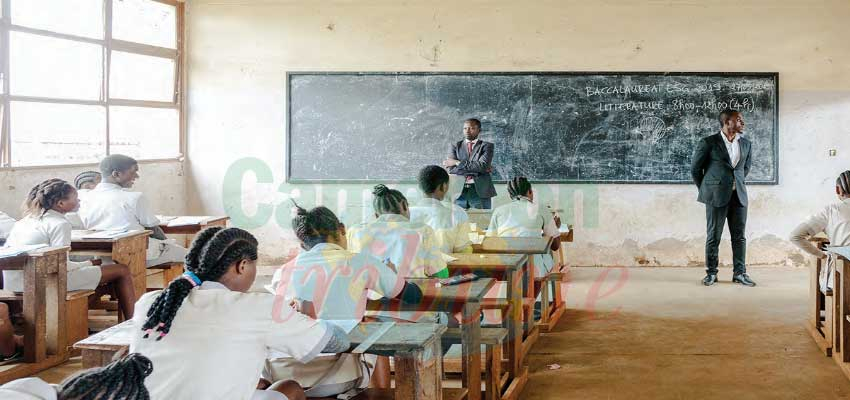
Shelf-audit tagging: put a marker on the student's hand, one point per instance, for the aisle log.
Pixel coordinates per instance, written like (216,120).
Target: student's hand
(96,261)
(450,162)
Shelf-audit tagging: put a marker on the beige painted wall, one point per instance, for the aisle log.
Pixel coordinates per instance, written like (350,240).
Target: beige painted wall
(239,52)
(163,183)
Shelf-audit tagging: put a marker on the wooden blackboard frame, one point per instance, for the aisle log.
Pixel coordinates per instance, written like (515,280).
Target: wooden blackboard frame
(288,110)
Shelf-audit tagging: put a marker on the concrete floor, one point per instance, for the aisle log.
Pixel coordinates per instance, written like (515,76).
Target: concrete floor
(657,333)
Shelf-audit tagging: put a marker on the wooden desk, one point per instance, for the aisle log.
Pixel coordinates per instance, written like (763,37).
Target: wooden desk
(822,329)
(508,268)
(464,298)
(191,230)
(129,248)
(45,285)
(520,245)
(415,347)
(840,351)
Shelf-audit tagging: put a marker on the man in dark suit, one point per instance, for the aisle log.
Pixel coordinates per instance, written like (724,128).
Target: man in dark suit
(720,167)
(471,158)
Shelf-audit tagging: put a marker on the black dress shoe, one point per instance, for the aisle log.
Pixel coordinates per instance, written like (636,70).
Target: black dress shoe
(743,279)
(709,279)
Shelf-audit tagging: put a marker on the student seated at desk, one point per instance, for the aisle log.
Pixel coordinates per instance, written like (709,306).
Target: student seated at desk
(335,283)
(84,182)
(110,207)
(524,218)
(123,379)
(208,337)
(411,246)
(448,220)
(6,223)
(45,223)
(834,219)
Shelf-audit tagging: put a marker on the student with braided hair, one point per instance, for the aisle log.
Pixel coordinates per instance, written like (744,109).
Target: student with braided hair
(208,336)
(522,217)
(84,182)
(335,283)
(111,206)
(44,223)
(834,219)
(123,379)
(449,221)
(411,246)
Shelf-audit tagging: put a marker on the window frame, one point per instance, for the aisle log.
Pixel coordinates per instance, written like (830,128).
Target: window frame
(108,44)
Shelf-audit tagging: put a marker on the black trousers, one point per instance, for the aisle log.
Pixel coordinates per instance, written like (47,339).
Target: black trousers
(716,218)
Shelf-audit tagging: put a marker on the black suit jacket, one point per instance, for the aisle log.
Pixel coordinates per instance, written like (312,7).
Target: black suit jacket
(476,165)
(713,173)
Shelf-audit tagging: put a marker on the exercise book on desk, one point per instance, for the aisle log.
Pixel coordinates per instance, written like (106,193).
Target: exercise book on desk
(11,251)
(185,220)
(86,234)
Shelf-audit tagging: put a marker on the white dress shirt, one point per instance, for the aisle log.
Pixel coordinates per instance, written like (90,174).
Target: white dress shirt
(110,207)
(449,222)
(6,223)
(834,220)
(733,148)
(524,218)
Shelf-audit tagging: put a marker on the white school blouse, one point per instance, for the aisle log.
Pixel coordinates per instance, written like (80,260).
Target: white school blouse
(6,223)
(524,218)
(110,207)
(449,222)
(28,389)
(219,340)
(50,229)
(834,220)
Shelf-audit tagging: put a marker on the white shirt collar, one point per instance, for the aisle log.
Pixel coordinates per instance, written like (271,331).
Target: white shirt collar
(392,218)
(208,285)
(429,202)
(108,186)
(726,140)
(325,246)
(471,141)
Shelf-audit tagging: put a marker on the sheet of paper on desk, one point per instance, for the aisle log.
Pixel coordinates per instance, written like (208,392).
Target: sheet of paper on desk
(844,251)
(187,220)
(564,229)
(165,218)
(104,234)
(346,325)
(12,251)
(447,258)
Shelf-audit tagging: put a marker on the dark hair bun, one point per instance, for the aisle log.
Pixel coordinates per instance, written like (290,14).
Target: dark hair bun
(380,190)
(138,362)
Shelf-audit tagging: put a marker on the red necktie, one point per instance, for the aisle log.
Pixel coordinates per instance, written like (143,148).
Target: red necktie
(469,148)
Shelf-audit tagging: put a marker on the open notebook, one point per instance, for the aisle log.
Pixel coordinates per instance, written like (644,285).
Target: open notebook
(12,251)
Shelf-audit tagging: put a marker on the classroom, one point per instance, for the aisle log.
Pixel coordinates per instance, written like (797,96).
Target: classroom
(377,199)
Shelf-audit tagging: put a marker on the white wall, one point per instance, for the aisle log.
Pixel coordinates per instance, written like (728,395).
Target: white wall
(239,51)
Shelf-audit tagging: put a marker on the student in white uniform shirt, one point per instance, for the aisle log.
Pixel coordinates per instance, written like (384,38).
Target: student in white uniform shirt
(334,282)
(123,379)
(6,223)
(44,223)
(208,337)
(522,217)
(449,221)
(110,207)
(834,219)
(84,182)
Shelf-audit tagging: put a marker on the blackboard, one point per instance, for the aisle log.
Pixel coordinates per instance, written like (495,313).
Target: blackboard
(564,127)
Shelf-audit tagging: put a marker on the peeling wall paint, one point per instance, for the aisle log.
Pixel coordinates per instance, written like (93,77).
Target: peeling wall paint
(239,52)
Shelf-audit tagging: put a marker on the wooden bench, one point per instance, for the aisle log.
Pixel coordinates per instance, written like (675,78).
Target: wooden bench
(44,312)
(165,272)
(822,306)
(106,346)
(77,309)
(493,339)
(840,351)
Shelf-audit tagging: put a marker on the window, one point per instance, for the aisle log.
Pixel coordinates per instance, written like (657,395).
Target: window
(83,79)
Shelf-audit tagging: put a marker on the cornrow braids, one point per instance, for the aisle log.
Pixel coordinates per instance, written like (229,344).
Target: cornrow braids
(518,187)
(387,201)
(212,252)
(843,182)
(86,177)
(120,380)
(314,226)
(45,195)
(431,177)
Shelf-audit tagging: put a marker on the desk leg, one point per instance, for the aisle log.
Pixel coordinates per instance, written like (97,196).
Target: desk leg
(471,346)
(514,323)
(132,252)
(815,296)
(419,374)
(842,282)
(35,310)
(56,287)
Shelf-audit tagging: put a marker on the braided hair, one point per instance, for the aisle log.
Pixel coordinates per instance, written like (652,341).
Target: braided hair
(45,196)
(843,183)
(431,177)
(120,380)
(388,201)
(86,177)
(212,252)
(314,226)
(518,187)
